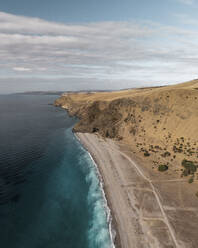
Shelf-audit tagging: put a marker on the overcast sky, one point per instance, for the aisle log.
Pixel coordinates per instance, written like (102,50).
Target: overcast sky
(91,44)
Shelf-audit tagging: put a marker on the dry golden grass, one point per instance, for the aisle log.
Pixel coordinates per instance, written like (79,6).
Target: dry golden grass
(156,120)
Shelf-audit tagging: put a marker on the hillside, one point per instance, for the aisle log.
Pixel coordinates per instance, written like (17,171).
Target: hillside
(159,124)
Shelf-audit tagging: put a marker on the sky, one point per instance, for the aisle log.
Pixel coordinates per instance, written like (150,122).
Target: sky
(91,44)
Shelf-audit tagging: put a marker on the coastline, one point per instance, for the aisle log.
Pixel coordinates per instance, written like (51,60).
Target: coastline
(111,228)
(124,218)
(109,213)
(138,215)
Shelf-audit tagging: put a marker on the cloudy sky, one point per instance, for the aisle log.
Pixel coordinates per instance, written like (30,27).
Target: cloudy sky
(92,44)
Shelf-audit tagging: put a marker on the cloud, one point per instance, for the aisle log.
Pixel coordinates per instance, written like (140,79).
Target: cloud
(21,69)
(131,51)
(186,19)
(187,2)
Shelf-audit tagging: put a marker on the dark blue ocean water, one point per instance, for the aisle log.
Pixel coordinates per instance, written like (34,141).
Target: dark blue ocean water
(49,190)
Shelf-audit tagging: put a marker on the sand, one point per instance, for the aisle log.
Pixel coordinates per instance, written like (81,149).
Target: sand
(146,212)
(120,180)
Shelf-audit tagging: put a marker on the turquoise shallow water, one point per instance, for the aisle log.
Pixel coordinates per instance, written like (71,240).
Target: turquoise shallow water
(50,195)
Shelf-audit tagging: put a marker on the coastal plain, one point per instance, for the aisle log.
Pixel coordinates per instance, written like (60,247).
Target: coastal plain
(145,142)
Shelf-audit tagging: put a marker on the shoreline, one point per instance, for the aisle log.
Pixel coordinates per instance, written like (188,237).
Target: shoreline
(124,217)
(112,229)
(137,213)
(113,232)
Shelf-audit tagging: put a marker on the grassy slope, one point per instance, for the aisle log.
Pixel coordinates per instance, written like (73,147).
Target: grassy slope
(161,121)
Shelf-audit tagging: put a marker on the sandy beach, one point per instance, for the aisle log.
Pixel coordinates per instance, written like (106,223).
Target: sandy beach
(120,183)
(141,216)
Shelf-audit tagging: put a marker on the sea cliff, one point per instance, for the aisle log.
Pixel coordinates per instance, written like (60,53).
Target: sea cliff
(160,123)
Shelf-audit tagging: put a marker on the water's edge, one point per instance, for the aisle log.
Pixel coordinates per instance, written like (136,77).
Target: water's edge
(109,217)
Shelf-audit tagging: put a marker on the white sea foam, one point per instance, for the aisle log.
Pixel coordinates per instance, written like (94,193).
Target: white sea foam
(107,209)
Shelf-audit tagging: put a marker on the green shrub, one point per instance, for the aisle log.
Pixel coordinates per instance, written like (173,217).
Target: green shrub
(166,154)
(163,167)
(189,167)
(191,180)
(146,154)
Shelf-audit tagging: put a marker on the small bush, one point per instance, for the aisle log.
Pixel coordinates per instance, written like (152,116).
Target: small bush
(107,134)
(95,129)
(189,167)
(166,154)
(191,180)
(163,167)
(146,154)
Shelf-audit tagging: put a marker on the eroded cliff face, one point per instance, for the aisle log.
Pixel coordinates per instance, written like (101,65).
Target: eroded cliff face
(104,117)
(167,110)
(161,123)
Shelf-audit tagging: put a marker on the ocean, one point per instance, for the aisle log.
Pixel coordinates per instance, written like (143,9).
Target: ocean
(50,194)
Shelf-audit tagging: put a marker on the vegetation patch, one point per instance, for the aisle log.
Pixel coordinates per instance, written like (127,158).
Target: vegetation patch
(191,179)
(95,129)
(166,154)
(146,154)
(163,167)
(177,149)
(189,167)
